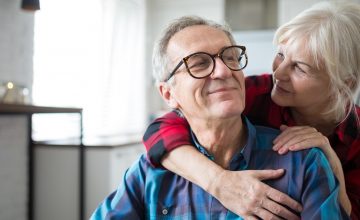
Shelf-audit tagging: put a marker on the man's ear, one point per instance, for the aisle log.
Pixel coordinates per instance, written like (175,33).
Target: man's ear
(166,92)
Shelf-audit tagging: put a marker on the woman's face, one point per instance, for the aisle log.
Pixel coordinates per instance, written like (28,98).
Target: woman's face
(298,83)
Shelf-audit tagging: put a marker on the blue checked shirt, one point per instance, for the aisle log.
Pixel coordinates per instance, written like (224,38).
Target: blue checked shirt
(154,193)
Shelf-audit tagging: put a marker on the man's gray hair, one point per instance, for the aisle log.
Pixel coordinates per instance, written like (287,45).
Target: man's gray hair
(160,60)
(331,31)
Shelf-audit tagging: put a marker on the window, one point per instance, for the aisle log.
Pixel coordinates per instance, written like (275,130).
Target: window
(90,54)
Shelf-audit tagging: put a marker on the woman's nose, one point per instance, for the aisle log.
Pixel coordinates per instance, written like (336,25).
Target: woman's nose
(281,70)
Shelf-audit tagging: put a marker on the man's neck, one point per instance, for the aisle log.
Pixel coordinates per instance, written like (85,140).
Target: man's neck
(221,138)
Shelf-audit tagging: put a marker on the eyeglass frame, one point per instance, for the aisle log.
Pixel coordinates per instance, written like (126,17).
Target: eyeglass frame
(213,56)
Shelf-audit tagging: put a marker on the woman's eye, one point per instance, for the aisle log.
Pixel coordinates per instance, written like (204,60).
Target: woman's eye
(280,55)
(299,68)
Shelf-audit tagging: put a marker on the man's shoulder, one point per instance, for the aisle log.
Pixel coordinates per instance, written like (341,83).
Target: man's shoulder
(266,131)
(266,135)
(142,168)
(142,163)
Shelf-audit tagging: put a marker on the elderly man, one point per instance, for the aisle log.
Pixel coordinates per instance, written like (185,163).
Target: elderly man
(198,68)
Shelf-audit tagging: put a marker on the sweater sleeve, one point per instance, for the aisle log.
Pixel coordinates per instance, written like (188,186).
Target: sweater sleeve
(165,134)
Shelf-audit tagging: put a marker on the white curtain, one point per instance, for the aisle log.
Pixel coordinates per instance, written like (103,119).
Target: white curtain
(90,54)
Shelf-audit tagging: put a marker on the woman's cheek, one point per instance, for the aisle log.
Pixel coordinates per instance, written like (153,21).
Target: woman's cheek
(275,64)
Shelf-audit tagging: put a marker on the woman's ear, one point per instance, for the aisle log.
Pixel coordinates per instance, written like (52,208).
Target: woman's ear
(166,92)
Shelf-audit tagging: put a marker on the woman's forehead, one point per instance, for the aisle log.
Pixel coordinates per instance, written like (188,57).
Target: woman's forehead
(294,44)
(297,48)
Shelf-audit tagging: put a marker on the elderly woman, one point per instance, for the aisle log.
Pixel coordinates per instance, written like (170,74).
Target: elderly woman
(309,97)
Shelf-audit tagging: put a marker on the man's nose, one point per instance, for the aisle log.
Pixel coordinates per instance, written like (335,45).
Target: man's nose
(220,70)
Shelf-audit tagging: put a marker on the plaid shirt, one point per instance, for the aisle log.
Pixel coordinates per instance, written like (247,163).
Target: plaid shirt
(171,131)
(154,193)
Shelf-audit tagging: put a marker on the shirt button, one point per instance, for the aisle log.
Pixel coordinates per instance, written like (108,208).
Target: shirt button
(164,211)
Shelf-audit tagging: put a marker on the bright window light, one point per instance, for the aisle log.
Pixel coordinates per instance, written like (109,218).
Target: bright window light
(84,57)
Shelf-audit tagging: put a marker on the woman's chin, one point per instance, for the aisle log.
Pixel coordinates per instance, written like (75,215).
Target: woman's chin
(279,99)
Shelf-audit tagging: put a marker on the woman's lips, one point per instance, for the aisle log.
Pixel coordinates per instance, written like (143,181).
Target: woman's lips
(281,89)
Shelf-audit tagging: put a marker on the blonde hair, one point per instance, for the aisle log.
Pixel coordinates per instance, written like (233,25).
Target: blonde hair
(160,59)
(332,33)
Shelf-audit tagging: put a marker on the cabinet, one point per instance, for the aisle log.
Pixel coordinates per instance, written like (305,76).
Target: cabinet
(57,179)
(17,159)
(57,175)
(105,167)
(13,167)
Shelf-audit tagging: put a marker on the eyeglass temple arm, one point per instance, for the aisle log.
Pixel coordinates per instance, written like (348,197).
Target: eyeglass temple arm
(174,71)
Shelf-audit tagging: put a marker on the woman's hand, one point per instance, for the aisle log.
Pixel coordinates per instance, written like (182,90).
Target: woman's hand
(304,137)
(299,138)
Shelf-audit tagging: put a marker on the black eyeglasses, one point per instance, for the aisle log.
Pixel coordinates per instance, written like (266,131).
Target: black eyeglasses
(201,64)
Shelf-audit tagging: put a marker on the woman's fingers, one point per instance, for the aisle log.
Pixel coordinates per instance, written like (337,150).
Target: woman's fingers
(283,127)
(301,142)
(287,134)
(298,138)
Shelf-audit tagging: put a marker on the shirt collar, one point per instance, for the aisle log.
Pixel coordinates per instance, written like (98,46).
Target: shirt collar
(251,141)
(242,157)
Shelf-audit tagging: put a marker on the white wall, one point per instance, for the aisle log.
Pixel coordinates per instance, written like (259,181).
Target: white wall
(260,50)
(16,43)
(290,8)
(16,53)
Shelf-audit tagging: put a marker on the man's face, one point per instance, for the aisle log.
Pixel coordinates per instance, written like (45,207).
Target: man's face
(222,94)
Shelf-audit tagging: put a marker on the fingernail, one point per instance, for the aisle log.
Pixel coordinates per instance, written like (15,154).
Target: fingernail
(281,151)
